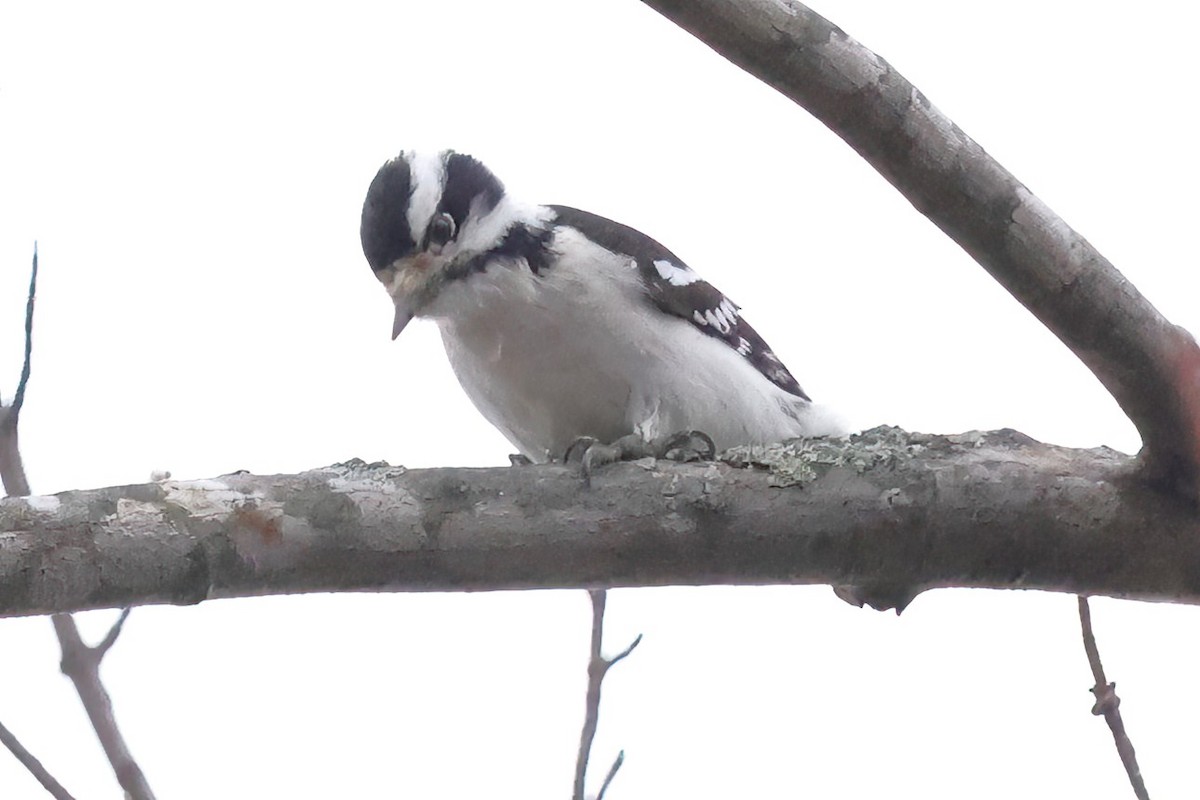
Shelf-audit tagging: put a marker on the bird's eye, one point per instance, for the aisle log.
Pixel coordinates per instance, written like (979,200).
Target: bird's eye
(441,229)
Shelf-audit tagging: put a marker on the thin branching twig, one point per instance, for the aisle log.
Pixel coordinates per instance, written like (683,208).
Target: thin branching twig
(12,470)
(598,667)
(612,773)
(111,637)
(1108,704)
(80,663)
(12,473)
(19,397)
(33,765)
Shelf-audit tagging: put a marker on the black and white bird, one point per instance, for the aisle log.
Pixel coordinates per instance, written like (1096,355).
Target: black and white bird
(561,324)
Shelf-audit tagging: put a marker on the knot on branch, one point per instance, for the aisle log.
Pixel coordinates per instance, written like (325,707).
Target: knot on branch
(1106,699)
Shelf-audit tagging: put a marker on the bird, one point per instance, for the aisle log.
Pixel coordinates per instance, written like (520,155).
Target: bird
(564,326)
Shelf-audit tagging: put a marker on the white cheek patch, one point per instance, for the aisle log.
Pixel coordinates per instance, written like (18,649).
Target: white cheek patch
(675,274)
(481,231)
(428,177)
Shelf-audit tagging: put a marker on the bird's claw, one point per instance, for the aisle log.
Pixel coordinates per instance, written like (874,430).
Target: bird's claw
(686,446)
(578,448)
(591,453)
(683,446)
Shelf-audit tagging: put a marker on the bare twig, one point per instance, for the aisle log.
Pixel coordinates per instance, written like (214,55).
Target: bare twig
(111,638)
(598,667)
(12,474)
(19,397)
(612,773)
(1108,704)
(12,470)
(81,664)
(1151,367)
(33,765)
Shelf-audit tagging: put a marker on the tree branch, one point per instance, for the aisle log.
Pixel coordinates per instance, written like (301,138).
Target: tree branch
(33,765)
(12,471)
(612,773)
(897,513)
(19,398)
(598,667)
(1108,704)
(1150,366)
(81,664)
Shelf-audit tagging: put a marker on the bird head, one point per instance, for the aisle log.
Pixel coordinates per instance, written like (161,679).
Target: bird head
(427,220)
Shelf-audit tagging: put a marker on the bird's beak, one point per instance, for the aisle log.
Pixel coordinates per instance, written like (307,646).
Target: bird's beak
(403,315)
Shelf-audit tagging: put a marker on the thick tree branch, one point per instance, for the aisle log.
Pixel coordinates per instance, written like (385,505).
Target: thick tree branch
(1150,366)
(891,511)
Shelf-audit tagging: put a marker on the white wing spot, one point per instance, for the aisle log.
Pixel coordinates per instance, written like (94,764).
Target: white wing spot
(699,318)
(675,274)
(744,346)
(717,320)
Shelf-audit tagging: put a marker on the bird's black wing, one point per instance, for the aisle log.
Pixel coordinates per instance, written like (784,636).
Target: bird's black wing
(675,288)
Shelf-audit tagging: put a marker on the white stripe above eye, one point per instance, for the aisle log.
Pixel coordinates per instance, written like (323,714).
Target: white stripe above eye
(428,172)
(675,274)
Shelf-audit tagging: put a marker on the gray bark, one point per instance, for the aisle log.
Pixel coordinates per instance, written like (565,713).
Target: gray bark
(888,512)
(1151,367)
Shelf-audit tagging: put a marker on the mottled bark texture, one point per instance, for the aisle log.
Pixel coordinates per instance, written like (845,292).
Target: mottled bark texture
(1150,366)
(889,512)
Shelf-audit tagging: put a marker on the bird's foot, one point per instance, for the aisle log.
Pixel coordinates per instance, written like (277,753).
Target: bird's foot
(683,446)
(686,446)
(519,460)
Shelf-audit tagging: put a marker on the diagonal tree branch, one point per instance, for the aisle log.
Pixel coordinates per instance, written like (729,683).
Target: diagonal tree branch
(1108,704)
(896,513)
(48,782)
(1150,366)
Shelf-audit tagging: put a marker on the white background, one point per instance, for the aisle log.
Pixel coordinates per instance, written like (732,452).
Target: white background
(194,176)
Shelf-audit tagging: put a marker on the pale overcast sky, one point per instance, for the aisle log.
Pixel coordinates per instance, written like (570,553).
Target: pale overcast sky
(194,176)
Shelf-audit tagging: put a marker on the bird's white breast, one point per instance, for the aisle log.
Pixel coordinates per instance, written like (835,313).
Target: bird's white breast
(579,350)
